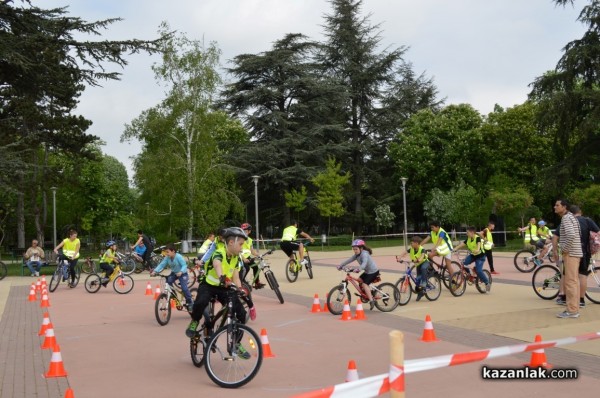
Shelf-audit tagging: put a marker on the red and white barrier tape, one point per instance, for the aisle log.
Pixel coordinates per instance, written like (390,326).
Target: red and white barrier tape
(376,385)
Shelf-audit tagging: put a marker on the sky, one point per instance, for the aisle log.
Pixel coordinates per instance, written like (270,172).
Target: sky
(481,52)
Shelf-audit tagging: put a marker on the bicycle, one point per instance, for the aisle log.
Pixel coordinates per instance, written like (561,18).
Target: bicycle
(546,282)
(293,266)
(171,296)
(88,266)
(465,276)
(3,270)
(441,269)
(385,295)
(122,283)
(407,285)
(233,354)
(269,276)
(62,272)
(127,262)
(527,260)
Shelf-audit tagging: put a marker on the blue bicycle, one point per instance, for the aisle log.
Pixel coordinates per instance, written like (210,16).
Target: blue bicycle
(408,284)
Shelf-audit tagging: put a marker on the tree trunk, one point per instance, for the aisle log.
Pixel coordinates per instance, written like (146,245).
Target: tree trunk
(21,216)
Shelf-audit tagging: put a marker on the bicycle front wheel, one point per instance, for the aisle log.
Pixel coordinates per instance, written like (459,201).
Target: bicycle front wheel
(291,271)
(88,267)
(309,269)
(162,309)
(445,274)
(197,350)
(3,270)
(524,260)
(274,285)
(92,283)
(128,265)
(479,283)
(458,284)
(123,284)
(404,289)
(336,298)
(433,288)
(593,285)
(56,276)
(233,356)
(389,297)
(546,282)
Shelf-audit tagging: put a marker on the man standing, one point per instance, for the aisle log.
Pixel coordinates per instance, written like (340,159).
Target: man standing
(33,256)
(143,238)
(570,246)
(488,245)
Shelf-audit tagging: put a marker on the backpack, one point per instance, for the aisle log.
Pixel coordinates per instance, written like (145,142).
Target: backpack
(594,242)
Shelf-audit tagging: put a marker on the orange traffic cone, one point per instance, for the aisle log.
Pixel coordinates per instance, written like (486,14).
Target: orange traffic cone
(38,286)
(352,373)
(360,312)
(45,323)
(538,357)
(172,303)
(45,302)
(56,364)
(32,293)
(69,393)
(43,280)
(156,292)
(316,307)
(346,314)
(325,309)
(264,340)
(428,332)
(148,290)
(49,339)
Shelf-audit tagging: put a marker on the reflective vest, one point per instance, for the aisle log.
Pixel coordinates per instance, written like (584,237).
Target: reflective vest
(108,256)
(204,248)
(415,256)
(531,233)
(289,234)
(69,247)
(247,248)
(544,232)
(227,265)
(488,243)
(445,247)
(472,246)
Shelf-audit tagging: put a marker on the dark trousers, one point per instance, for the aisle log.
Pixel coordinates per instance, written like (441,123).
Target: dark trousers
(206,292)
(490,259)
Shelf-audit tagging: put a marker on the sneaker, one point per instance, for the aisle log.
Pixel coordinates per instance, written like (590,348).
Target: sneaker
(241,352)
(567,314)
(33,274)
(37,273)
(253,313)
(488,287)
(537,262)
(304,262)
(420,294)
(561,300)
(259,285)
(191,329)
(495,273)
(372,305)
(581,303)
(104,281)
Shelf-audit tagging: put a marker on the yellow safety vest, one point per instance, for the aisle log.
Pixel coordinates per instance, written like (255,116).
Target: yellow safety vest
(108,256)
(289,234)
(247,248)
(416,255)
(227,265)
(69,247)
(489,242)
(444,248)
(544,232)
(531,233)
(472,246)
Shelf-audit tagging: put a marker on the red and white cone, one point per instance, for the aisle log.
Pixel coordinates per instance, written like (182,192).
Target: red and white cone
(264,340)
(352,373)
(156,292)
(38,286)
(346,314)
(57,368)
(316,306)
(45,302)
(428,332)
(49,339)
(360,312)
(32,296)
(148,290)
(45,323)
(538,357)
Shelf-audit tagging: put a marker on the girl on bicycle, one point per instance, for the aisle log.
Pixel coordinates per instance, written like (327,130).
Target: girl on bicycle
(362,254)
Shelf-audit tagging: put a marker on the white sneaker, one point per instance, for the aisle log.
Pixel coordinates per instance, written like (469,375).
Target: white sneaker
(304,262)
(37,273)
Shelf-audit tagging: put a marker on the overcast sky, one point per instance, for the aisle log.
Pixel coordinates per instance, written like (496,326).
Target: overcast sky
(481,52)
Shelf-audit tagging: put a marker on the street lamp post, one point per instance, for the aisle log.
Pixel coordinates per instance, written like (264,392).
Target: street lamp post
(53,189)
(404,179)
(255,179)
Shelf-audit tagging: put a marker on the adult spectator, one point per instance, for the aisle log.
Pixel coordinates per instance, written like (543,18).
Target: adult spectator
(586,225)
(530,237)
(143,238)
(34,256)
(488,245)
(570,246)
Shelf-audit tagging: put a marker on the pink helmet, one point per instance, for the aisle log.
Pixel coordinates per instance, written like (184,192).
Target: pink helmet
(358,242)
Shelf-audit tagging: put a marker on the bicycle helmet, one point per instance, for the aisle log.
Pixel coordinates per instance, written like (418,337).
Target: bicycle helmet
(541,223)
(110,243)
(246,226)
(234,231)
(358,243)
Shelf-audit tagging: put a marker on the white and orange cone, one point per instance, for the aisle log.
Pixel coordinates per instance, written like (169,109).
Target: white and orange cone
(352,373)
(156,292)
(45,323)
(360,312)
(264,340)
(49,339)
(346,314)
(32,296)
(428,332)
(316,307)
(45,302)
(148,290)
(38,286)
(538,357)
(57,368)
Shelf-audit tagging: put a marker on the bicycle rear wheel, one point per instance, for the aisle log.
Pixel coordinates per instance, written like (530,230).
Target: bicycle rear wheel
(524,260)
(88,267)
(309,269)
(3,270)
(458,284)
(433,288)
(233,356)
(92,283)
(479,283)
(291,271)
(274,285)
(123,284)
(197,350)
(128,265)
(389,299)
(404,289)
(335,299)
(162,309)
(546,282)
(593,285)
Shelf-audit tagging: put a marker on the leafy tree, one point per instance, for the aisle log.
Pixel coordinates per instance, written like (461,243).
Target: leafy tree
(330,194)
(458,206)
(512,201)
(296,200)
(589,200)
(384,217)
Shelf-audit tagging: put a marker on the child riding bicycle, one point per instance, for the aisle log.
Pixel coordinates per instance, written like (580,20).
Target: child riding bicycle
(419,258)
(109,257)
(476,254)
(178,271)
(362,254)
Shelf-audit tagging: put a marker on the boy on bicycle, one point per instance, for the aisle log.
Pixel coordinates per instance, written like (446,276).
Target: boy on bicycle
(419,258)
(545,239)
(476,254)
(109,257)
(362,254)
(247,252)
(442,244)
(222,270)
(289,244)
(178,271)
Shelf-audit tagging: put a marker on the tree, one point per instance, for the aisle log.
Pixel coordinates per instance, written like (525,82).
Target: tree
(296,200)
(330,197)
(512,201)
(589,200)
(384,216)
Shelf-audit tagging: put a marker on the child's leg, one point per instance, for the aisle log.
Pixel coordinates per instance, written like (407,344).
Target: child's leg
(479,269)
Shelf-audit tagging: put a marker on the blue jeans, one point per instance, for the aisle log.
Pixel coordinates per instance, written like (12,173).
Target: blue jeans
(34,266)
(183,281)
(478,266)
(423,268)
